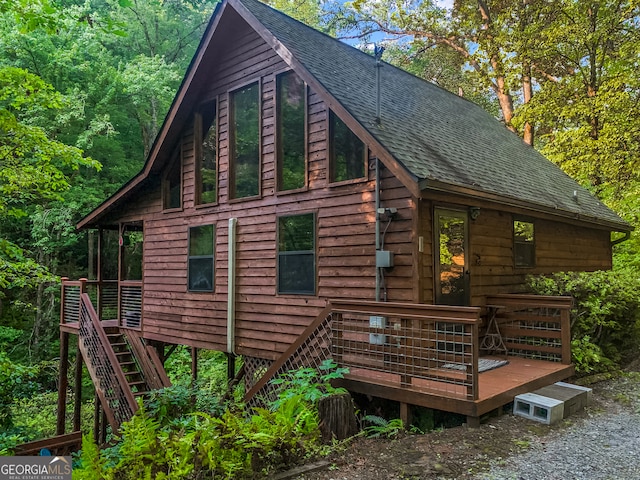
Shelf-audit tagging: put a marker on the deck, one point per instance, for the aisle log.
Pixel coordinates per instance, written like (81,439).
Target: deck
(428,355)
(425,355)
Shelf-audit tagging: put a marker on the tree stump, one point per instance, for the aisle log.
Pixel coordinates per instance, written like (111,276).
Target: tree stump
(337,417)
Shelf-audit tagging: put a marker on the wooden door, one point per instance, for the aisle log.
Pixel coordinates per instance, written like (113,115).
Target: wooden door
(451,245)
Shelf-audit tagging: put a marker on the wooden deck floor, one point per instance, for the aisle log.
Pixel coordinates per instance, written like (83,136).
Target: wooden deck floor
(496,387)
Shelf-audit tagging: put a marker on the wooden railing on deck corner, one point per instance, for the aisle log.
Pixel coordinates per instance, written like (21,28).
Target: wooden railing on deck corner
(535,326)
(112,388)
(432,348)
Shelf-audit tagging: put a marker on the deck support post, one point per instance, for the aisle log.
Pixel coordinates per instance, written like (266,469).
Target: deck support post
(77,398)
(194,364)
(96,419)
(473,422)
(405,414)
(63,383)
(231,367)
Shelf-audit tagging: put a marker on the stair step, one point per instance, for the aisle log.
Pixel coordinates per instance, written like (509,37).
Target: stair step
(138,394)
(127,364)
(136,383)
(126,352)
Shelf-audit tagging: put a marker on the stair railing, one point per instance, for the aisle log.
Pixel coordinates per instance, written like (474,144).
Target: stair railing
(117,400)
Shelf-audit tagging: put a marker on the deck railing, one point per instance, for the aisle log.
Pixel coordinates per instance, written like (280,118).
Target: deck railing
(424,347)
(534,326)
(112,300)
(428,347)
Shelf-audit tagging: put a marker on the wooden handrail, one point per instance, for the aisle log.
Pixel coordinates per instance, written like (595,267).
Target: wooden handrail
(408,310)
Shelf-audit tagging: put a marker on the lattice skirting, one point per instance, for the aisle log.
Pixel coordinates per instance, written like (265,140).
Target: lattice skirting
(254,369)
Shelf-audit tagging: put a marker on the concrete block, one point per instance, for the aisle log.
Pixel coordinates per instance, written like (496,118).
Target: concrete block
(539,408)
(575,397)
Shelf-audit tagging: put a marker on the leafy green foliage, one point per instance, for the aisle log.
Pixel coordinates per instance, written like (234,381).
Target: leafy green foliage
(309,384)
(380,427)
(196,444)
(605,320)
(168,438)
(12,377)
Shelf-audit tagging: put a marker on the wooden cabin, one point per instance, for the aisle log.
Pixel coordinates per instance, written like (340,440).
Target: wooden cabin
(301,189)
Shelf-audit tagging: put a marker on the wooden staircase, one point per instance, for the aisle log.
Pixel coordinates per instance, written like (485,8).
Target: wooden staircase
(127,361)
(120,364)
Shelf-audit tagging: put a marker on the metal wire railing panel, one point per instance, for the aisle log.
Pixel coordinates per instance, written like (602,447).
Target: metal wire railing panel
(131,306)
(71,302)
(437,355)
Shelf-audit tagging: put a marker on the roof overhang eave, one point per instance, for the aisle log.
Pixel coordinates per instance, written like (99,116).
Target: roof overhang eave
(429,184)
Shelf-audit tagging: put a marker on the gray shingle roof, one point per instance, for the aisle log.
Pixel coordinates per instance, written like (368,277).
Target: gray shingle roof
(437,136)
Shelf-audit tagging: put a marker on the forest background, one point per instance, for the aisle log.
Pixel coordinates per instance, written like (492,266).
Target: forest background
(85,86)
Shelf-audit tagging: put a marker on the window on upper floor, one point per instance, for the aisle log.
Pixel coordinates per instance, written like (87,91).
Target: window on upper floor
(524,246)
(297,254)
(201,258)
(244,165)
(290,114)
(172,183)
(347,159)
(206,155)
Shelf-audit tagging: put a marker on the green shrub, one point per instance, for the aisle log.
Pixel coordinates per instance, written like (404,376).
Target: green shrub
(166,439)
(605,318)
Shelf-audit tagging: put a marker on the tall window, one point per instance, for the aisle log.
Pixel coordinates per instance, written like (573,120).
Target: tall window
(172,183)
(524,246)
(201,255)
(347,155)
(291,131)
(245,142)
(206,159)
(297,254)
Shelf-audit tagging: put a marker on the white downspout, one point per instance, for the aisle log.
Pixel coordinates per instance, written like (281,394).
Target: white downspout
(231,287)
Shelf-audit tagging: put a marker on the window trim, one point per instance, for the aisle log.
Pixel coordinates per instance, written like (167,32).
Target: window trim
(314,251)
(515,242)
(212,256)
(331,153)
(231,139)
(176,159)
(198,151)
(278,137)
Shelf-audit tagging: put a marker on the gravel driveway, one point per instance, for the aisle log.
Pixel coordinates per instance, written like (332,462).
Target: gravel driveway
(603,445)
(601,442)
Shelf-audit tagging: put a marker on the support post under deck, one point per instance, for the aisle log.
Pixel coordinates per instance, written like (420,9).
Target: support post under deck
(63,383)
(77,399)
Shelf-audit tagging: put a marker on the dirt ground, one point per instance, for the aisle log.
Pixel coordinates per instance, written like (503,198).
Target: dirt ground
(461,452)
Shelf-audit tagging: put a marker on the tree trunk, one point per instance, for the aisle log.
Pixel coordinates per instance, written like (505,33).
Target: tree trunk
(527,89)
(337,417)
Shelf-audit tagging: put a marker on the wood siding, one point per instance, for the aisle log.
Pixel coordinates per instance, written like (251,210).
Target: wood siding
(558,247)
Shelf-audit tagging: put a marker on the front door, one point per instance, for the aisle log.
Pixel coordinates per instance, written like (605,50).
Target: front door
(451,245)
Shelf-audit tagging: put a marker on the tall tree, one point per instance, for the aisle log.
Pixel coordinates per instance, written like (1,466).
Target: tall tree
(488,36)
